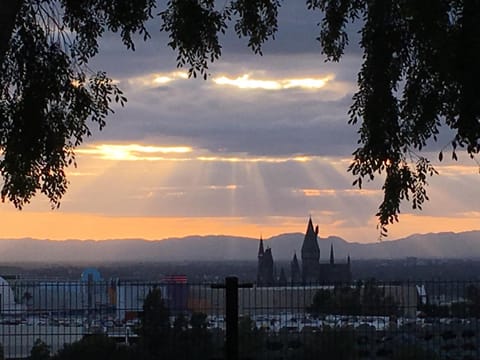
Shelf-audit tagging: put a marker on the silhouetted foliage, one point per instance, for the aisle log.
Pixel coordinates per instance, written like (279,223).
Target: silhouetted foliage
(434,310)
(375,302)
(48,96)
(473,298)
(413,352)
(95,347)
(198,339)
(198,320)
(461,308)
(330,344)
(363,299)
(40,351)
(419,74)
(251,340)
(180,323)
(155,324)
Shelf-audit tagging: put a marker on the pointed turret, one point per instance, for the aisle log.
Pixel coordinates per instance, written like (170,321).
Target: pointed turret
(295,260)
(310,254)
(261,263)
(268,276)
(261,251)
(332,257)
(310,247)
(295,270)
(310,229)
(265,273)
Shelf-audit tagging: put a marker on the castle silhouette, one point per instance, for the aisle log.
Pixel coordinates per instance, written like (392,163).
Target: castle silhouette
(311,271)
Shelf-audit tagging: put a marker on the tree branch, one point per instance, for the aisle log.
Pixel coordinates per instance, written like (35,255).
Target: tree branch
(8,14)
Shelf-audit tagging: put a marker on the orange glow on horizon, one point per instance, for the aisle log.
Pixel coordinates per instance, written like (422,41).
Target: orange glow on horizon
(62,226)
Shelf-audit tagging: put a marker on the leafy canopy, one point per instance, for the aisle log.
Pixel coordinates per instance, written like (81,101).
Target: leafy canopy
(419,74)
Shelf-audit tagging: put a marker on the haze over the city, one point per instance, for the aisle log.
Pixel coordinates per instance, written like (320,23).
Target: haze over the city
(254,150)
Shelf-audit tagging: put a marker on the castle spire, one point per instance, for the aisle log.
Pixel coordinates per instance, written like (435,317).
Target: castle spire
(310,247)
(310,226)
(265,272)
(261,251)
(332,257)
(295,270)
(295,260)
(310,254)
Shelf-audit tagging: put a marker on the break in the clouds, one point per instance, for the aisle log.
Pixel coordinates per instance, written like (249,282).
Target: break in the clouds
(260,113)
(133,152)
(246,82)
(289,101)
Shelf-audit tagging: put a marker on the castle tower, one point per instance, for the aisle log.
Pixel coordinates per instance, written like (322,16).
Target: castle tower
(267,277)
(265,274)
(260,248)
(310,254)
(295,270)
(261,253)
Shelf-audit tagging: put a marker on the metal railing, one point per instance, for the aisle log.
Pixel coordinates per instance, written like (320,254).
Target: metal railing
(168,320)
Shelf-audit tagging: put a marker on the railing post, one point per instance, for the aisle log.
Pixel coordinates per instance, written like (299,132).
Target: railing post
(231,287)
(231,317)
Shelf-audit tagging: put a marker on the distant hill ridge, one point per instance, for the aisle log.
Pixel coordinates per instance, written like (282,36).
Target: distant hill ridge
(219,247)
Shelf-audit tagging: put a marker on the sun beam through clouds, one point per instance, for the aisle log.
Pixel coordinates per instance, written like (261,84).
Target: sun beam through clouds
(145,189)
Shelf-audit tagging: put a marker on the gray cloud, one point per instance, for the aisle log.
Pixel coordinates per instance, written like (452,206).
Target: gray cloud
(196,113)
(230,120)
(298,29)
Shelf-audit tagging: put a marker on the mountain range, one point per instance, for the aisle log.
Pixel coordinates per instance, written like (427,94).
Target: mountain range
(230,248)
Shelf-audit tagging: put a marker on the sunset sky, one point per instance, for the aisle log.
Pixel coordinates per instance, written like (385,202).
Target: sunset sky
(254,150)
